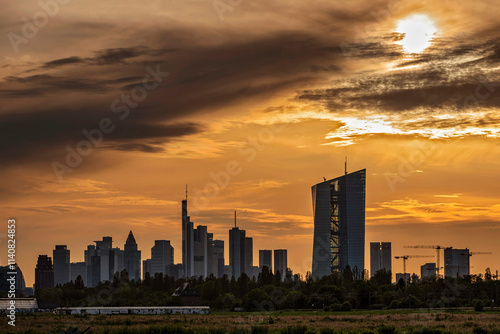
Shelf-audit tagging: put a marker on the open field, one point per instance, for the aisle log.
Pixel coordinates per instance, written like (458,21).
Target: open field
(383,322)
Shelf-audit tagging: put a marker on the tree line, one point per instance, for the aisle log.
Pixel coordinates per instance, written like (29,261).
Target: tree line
(269,292)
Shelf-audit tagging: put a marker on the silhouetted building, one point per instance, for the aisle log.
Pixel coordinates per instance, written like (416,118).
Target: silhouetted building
(44,273)
(61,259)
(93,273)
(280,262)
(78,269)
(146,268)
(19,280)
(380,257)
(266,259)
(428,270)
(456,262)
(248,258)
(103,261)
(187,241)
(200,239)
(218,249)
(132,258)
(236,251)
(339,224)
(162,256)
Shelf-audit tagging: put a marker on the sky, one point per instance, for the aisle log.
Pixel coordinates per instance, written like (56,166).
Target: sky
(109,109)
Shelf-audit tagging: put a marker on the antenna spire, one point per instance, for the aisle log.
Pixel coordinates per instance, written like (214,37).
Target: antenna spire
(345,165)
(235,219)
(186,192)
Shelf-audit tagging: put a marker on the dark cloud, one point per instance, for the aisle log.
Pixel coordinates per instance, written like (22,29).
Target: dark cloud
(63,61)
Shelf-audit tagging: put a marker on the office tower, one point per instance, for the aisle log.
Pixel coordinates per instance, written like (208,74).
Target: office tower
(248,257)
(218,248)
(187,241)
(236,251)
(105,243)
(146,268)
(200,239)
(456,262)
(19,281)
(339,224)
(132,258)
(78,269)
(162,256)
(103,261)
(380,257)
(215,256)
(44,273)
(266,259)
(428,270)
(280,262)
(90,253)
(61,259)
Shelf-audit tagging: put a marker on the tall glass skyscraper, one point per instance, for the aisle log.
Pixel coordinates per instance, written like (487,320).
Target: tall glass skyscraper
(339,224)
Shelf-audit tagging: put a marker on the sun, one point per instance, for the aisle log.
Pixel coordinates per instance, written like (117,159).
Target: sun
(418,30)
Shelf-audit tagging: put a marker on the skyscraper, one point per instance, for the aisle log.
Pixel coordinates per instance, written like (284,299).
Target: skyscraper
(162,256)
(187,241)
(266,259)
(44,273)
(380,257)
(236,251)
(61,264)
(78,269)
(248,257)
(456,262)
(200,239)
(146,268)
(218,248)
(280,262)
(132,258)
(103,261)
(339,224)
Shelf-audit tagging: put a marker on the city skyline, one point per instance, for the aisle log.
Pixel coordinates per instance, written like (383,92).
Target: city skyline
(107,113)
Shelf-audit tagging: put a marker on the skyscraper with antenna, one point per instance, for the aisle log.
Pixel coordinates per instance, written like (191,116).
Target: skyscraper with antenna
(187,240)
(339,223)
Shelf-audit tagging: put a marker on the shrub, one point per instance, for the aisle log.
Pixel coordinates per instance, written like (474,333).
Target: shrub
(478,305)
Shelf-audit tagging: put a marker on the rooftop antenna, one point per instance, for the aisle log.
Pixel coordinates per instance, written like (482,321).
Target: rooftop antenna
(186,192)
(345,165)
(234,219)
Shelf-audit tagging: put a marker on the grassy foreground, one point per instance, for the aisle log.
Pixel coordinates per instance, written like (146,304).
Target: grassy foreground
(383,322)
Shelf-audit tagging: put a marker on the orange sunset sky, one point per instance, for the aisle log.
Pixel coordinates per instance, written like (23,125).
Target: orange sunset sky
(278,91)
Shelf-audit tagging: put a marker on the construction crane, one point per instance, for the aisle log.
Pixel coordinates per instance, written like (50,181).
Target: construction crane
(438,251)
(406,257)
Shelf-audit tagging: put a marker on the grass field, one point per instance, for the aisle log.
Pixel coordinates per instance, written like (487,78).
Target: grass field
(383,322)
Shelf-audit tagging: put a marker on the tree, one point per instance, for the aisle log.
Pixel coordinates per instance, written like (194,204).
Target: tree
(79,283)
(382,277)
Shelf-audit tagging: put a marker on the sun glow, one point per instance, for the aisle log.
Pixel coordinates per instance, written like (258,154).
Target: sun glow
(418,30)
